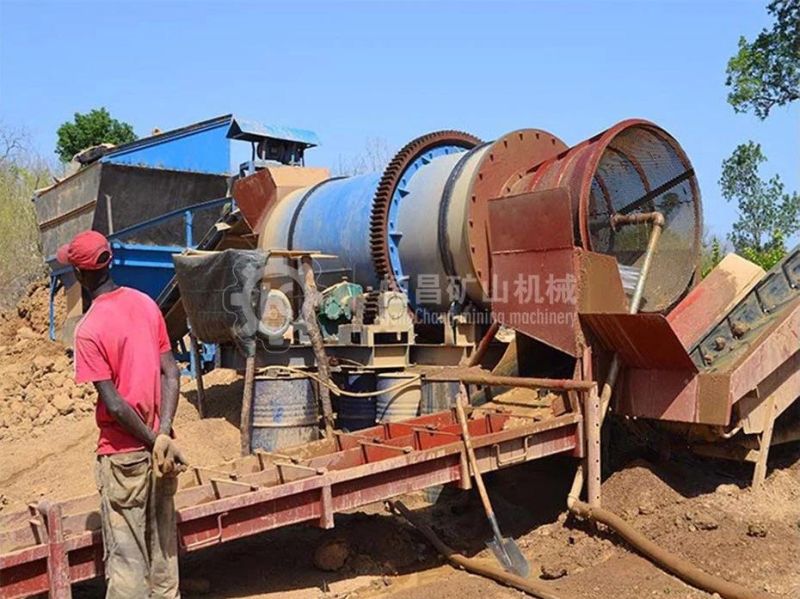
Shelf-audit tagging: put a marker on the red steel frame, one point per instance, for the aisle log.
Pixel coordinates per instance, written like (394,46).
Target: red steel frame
(350,471)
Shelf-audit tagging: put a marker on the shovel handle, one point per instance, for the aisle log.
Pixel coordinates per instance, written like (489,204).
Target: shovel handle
(473,462)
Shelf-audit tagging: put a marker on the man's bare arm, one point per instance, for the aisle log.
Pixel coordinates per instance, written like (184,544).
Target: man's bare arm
(170,383)
(124,414)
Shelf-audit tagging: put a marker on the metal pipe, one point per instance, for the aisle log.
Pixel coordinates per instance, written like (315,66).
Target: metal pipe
(481,378)
(483,345)
(657,220)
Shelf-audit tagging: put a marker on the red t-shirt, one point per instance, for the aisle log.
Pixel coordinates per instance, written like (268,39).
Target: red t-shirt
(121,339)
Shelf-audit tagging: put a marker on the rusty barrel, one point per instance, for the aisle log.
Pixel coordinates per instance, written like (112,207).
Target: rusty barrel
(355,413)
(397,404)
(438,396)
(284,412)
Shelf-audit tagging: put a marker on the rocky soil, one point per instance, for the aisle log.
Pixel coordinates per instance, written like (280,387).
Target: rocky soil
(36,374)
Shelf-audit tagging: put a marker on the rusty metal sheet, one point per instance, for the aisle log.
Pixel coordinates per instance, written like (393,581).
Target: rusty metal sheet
(503,163)
(661,395)
(600,285)
(674,395)
(534,221)
(713,297)
(255,195)
(642,340)
(548,317)
(783,383)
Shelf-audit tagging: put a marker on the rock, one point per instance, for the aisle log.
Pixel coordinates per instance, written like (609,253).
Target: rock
(331,555)
(26,333)
(727,489)
(43,364)
(645,509)
(700,520)
(553,570)
(757,529)
(62,364)
(63,403)
(48,413)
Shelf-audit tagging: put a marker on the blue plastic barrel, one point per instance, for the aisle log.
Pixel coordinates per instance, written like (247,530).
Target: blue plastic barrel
(400,404)
(355,413)
(284,412)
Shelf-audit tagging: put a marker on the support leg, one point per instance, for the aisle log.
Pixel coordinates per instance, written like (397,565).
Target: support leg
(315,336)
(764,442)
(245,426)
(591,415)
(197,359)
(57,560)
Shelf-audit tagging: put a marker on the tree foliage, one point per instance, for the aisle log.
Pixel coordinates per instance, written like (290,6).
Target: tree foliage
(768,257)
(767,214)
(91,129)
(712,254)
(21,172)
(765,73)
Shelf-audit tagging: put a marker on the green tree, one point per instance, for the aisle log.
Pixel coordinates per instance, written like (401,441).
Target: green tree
(91,129)
(767,214)
(712,255)
(765,73)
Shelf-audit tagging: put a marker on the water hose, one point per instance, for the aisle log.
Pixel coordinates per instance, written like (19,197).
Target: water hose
(527,586)
(658,555)
(338,390)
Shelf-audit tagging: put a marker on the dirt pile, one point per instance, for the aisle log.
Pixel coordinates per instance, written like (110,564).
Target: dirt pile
(36,374)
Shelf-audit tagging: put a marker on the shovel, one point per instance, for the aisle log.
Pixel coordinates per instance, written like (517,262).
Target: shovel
(505,550)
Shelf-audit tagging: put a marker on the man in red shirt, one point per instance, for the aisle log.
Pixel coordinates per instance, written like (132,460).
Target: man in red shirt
(121,346)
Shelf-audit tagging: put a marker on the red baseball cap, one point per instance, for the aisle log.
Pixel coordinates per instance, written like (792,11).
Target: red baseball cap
(86,251)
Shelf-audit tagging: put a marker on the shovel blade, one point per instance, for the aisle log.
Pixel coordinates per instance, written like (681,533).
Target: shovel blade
(510,556)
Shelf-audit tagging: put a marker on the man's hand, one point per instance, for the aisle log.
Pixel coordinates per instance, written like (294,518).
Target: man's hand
(167,458)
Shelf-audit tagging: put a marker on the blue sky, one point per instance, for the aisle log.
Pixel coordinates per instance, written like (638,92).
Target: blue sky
(394,70)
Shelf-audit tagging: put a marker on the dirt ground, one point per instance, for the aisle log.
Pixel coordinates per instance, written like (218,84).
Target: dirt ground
(701,509)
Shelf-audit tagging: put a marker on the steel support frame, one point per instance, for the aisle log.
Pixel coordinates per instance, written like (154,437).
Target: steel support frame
(57,561)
